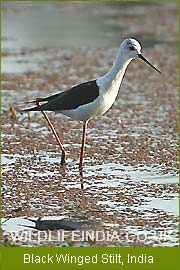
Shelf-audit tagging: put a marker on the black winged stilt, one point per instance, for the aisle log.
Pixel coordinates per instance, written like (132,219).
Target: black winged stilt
(89,99)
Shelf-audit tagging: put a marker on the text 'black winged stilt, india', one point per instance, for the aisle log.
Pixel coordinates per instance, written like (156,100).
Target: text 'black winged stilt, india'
(89,99)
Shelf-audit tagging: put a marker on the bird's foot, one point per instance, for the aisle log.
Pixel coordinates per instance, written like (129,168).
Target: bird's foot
(63,159)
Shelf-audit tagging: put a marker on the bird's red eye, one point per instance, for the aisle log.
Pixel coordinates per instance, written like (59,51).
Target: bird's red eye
(131,48)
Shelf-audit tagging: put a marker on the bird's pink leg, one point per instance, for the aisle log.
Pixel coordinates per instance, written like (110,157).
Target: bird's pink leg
(63,156)
(82,147)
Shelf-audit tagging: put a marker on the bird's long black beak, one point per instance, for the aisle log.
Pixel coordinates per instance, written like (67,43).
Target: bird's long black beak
(145,60)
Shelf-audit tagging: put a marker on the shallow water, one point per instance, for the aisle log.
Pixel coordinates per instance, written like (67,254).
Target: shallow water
(48,25)
(130,180)
(44,25)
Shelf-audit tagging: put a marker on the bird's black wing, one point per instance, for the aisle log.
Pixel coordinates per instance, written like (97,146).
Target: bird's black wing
(71,99)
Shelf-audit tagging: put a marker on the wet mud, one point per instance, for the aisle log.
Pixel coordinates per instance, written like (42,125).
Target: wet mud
(130,176)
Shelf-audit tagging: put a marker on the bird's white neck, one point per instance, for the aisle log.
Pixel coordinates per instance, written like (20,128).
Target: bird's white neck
(115,75)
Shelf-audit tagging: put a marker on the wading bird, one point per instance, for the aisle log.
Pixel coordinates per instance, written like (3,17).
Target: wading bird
(90,99)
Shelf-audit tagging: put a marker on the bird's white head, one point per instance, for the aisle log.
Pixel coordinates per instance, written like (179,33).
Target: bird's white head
(131,48)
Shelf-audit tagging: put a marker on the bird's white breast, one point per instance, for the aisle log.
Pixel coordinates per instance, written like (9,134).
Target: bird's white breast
(108,85)
(107,95)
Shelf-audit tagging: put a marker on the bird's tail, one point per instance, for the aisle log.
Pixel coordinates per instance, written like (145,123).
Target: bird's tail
(22,107)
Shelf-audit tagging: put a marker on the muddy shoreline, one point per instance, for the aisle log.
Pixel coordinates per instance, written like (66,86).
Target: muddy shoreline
(131,156)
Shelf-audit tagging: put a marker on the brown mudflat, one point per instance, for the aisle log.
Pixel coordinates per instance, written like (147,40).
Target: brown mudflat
(131,159)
